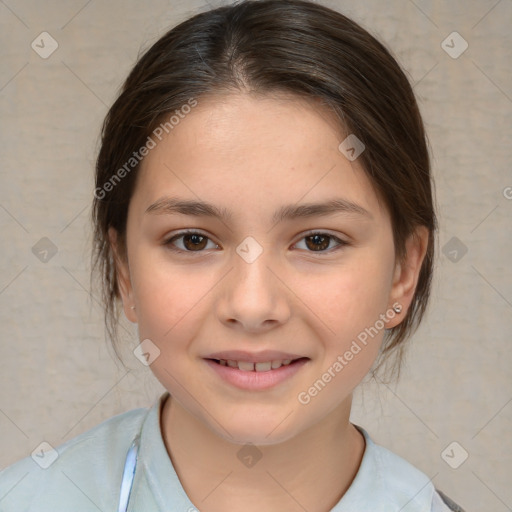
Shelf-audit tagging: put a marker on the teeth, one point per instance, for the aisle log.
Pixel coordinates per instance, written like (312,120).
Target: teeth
(246,367)
(263,367)
(259,367)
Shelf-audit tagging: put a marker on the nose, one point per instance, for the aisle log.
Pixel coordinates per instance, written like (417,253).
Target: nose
(253,298)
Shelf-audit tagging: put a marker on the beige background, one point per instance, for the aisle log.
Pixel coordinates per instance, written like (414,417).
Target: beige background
(58,377)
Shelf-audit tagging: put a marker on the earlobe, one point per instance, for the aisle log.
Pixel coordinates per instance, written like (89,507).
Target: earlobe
(407,272)
(122,277)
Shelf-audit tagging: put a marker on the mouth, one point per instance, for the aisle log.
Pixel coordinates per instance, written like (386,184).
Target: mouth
(255,372)
(264,366)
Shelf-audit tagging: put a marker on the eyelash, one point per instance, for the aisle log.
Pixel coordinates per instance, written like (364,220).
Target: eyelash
(169,242)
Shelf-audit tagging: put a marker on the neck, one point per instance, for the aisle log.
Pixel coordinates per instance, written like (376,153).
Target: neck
(310,471)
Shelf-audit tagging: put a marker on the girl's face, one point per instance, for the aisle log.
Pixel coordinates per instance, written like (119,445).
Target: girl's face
(251,284)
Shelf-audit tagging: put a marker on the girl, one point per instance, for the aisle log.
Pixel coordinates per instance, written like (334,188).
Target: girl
(263,209)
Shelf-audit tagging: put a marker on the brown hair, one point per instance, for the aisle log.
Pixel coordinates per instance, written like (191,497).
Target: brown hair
(274,46)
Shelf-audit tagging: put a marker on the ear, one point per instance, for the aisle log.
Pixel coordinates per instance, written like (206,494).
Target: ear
(407,273)
(123,277)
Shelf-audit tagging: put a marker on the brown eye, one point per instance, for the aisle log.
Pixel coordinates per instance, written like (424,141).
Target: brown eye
(194,242)
(317,242)
(190,242)
(320,242)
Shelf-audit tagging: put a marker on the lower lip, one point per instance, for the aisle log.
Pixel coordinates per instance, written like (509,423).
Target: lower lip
(252,380)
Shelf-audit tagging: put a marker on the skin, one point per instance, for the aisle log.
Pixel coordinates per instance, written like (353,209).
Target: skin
(252,155)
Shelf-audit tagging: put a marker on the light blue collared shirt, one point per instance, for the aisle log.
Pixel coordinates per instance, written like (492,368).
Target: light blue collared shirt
(86,476)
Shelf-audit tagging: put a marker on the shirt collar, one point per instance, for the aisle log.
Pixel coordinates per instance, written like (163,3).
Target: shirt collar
(384,482)
(155,462)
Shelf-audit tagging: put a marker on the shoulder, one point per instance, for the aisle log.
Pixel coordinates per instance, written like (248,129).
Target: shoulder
(82,470)
(402,484)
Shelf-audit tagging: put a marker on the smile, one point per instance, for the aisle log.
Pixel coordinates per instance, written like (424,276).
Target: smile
(255,376)
(255,367)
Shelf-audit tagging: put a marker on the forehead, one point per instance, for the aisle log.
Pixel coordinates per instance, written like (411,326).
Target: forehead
(241,149)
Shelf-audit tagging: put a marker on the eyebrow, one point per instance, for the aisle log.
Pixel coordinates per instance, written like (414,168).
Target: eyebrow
(174,205)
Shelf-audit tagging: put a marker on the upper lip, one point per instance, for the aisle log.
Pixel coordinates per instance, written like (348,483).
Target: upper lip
(253,357)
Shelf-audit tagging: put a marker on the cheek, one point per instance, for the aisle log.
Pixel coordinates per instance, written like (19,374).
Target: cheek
(169,297)
(349,301)
(169,311)
(351,297)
